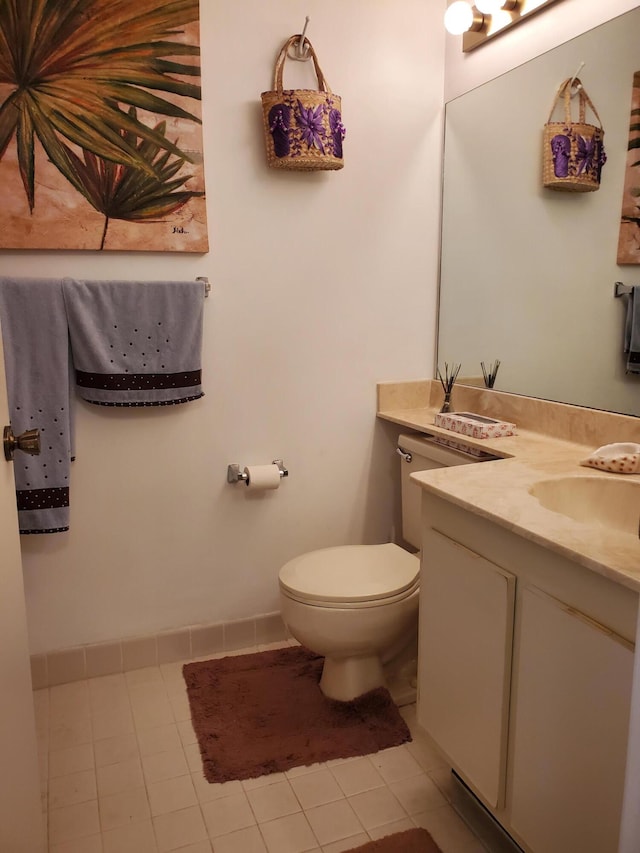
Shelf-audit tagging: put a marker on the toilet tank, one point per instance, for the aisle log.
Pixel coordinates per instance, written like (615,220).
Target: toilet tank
(425,454)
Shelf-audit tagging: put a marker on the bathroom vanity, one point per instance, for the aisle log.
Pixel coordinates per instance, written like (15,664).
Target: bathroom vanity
(528,625)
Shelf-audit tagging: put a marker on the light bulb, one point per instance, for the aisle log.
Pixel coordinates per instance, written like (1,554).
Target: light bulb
(489,7)
(458,18)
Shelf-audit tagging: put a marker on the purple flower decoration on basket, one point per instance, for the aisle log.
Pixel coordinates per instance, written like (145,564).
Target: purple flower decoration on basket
(310,122)
(338,131)
(586,155)
(561,150)
(602,159)
(279,122)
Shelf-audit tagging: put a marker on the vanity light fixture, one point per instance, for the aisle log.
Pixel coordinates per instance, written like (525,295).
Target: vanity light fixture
(477,24)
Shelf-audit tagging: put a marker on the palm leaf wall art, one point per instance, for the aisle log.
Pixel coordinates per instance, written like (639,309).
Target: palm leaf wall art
(629,240)
(100,129)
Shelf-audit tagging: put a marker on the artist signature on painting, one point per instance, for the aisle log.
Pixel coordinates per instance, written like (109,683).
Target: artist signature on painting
(179,229)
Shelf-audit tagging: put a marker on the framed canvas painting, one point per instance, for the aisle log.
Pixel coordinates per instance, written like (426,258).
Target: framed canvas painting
(100,126)
(629,240)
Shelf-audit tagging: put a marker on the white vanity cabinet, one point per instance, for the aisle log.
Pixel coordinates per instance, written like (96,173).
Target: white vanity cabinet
(466,612)
(525,670)
(570,720)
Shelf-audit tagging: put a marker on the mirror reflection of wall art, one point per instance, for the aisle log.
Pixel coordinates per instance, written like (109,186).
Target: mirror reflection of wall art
(100,128)
(629,241)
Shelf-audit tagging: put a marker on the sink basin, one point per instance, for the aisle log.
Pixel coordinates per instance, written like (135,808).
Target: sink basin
(605,501)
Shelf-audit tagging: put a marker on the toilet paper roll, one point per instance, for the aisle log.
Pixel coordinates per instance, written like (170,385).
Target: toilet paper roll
(261,478)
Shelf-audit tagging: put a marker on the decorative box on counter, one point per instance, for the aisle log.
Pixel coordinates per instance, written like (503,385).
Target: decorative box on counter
(476,426)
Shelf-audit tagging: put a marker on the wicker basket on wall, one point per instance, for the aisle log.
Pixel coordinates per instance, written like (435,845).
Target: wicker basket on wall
(573,152)
(303,128)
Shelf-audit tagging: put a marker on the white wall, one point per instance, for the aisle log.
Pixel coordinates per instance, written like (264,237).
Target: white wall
(545,30)
(322,285)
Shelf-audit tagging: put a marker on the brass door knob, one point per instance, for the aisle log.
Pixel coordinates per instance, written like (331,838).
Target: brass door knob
(28,442)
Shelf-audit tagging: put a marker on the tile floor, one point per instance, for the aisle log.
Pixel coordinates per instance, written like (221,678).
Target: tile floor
(121,773)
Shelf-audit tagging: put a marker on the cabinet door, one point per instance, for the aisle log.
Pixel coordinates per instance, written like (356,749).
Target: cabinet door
(571,702)
(464,660)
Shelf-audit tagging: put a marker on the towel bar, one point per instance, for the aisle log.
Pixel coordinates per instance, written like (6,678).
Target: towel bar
(622,289)
(206,282)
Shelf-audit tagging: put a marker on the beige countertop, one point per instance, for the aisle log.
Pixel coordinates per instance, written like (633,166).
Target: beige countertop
(499,490)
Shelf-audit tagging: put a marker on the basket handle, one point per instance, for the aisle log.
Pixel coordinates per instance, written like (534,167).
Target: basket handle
(279,66)
(585,101)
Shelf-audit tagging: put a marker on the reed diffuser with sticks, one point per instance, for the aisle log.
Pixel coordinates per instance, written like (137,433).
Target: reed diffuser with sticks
(490,373)
(450,375)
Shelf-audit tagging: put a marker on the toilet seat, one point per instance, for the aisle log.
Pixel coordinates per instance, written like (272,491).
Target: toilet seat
(351,576)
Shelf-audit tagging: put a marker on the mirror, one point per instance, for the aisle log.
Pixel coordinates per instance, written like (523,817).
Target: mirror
(528,274)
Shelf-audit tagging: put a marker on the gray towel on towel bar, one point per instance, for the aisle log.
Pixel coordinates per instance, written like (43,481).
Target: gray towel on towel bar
(136,343)
(632,331)
(36,353)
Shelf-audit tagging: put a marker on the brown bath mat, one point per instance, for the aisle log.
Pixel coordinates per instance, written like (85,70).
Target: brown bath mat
(410,841)
(265,713)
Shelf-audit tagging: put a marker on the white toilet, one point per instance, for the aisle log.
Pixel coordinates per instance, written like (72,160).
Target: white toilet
(357,605)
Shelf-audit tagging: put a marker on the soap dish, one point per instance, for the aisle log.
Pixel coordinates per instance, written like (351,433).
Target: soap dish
(475,426)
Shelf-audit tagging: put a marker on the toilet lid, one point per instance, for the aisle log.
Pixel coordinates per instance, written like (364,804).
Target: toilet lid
(351,573)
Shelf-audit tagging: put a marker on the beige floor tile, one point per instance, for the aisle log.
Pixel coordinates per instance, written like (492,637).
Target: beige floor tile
(119,707)
(291,834)
(247,840)
(304,769)
(72,733)
(70,760)
(171,795)
(108,693)
(124,776)
(316,789)
(165,765)
(108,724)
(180,707)
(355,777)
(145,675)
(198,847)
(128,739)
(124,808)
(262,781)
(90,844)
(333,821)
(134,838)
(178,829)
(449,831)
(207,791)
(396,763)
(159,739)
(377,807)
(426,753)
(444,781)
(187,733)
(346,843)
(194,759)
(272,801)
(73,822)
(116,749)
(73,788)
(417,794)
(73,695)
(390,828)
(67,716)
(150,693)
(152,715)
(227,815)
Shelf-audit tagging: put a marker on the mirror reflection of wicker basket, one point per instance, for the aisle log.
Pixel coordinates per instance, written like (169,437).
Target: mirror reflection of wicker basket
(573,151)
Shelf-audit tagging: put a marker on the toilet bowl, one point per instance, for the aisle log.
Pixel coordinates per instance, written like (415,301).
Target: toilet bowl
(357,605)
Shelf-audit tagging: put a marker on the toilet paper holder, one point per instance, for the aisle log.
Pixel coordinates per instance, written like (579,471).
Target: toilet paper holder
(235,474)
